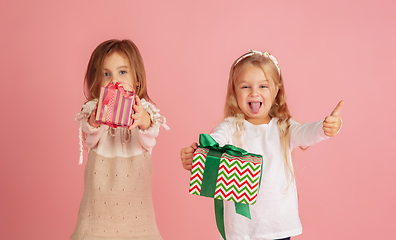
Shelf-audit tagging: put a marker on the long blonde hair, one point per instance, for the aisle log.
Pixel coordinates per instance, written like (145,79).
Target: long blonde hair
(279,108)
(94,77)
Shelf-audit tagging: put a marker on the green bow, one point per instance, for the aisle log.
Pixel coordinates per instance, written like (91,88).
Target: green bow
(206,141)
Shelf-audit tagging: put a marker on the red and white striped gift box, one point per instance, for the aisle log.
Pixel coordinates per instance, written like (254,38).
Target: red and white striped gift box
(115,106)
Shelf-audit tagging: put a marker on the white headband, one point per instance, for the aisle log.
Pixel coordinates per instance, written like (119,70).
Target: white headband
(264,54)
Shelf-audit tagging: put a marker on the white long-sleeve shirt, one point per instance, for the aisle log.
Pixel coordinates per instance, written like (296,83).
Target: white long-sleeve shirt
(275,214)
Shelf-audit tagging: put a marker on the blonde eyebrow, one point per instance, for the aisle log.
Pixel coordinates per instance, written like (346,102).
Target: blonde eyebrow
(105,69)
(261,81)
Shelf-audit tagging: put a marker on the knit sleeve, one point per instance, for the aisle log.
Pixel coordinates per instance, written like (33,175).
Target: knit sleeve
(147,136)
(88,133)
(307,134)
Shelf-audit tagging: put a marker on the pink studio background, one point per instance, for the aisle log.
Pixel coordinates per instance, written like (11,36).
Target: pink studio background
(327,52)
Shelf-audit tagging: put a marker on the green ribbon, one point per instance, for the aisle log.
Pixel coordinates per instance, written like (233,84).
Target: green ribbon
(206,141)
(210,177)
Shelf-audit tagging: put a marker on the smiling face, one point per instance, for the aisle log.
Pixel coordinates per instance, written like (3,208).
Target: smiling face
(253,94)
(116,68)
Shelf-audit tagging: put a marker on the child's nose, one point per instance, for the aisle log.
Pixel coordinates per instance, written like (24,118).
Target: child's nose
(254,92)
(114,80)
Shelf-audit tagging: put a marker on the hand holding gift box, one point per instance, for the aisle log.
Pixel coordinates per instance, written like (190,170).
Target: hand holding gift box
(115,106)
(225,173)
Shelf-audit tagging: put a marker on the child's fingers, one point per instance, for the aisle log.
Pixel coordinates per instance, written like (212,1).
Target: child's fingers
(337,110)
(185,151)
(138,102)
(187,163)
(93,113)
(95,110)
(329,125)
(138,108)
(331,119)
(330,134)
(135,116)
(189,150)
(92,118)
(135,123)
(327,132)
(330,131)
(141,117)
(187,166)
(186,156)
(194,145)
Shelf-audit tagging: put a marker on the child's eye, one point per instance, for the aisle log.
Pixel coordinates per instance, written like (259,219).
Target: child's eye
(106,74)
(123,72)
(263,86)
(245,86)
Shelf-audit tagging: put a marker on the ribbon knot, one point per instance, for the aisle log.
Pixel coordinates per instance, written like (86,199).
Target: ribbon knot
(206,141)
(111,89)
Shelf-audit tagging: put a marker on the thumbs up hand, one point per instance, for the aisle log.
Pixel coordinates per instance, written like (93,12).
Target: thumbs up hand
(332,123)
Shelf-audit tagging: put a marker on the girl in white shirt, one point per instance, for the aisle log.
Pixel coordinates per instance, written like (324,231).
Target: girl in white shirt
(257,119)
(117,201)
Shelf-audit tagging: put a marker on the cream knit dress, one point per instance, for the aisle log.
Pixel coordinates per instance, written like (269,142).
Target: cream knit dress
(117,202)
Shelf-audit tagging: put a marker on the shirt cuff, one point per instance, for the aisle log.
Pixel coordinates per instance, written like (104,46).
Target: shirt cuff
(156,119)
